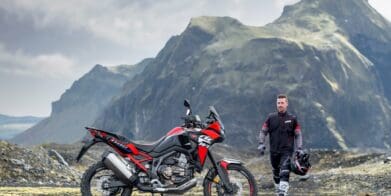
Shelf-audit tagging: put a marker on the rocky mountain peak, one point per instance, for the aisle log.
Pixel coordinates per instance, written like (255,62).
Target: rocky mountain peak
(333,7)
(98,67)
(79,105)
(352,16)
(98,74)
(214,25)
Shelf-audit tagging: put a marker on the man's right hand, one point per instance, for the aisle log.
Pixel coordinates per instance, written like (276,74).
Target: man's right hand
(261,149)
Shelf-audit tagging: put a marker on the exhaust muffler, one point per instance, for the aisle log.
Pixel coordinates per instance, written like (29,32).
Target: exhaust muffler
(121,168)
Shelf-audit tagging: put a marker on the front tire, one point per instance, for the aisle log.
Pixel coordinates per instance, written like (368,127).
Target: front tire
(242,180)
(94,178)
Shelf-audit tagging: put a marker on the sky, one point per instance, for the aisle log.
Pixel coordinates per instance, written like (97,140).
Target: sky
(46,45)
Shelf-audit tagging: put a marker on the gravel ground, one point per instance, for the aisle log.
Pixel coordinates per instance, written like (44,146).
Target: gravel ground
(34,171)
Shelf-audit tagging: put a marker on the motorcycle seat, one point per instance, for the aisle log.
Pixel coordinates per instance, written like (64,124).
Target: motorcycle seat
(148,147)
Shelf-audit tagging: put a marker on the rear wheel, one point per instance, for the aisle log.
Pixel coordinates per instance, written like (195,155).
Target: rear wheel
(97,180)
(241,179)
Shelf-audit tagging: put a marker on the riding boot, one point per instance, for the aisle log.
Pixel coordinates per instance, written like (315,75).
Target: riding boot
(284,186)
(276,188)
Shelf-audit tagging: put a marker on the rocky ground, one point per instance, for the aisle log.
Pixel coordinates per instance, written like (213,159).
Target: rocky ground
(334,173)
(32,170)
(35,166)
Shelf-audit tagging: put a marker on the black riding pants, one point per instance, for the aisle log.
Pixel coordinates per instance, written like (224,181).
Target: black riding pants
(281,166)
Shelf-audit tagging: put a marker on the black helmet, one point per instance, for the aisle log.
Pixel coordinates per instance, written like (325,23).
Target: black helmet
(300,163)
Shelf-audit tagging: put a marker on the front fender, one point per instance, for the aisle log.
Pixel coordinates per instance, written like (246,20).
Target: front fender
(224,163)
(222,171)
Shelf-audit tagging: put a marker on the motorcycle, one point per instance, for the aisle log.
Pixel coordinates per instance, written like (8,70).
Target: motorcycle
(167,165)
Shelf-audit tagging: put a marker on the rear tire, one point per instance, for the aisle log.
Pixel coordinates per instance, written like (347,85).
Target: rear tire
(92,171)
(234,171)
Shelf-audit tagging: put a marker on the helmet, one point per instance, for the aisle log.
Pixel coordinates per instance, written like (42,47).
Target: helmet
(300,163)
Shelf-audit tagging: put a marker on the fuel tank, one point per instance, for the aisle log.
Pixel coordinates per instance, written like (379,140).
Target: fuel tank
(177,137)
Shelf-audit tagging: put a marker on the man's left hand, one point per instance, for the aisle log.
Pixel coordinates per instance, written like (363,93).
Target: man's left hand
(299,151)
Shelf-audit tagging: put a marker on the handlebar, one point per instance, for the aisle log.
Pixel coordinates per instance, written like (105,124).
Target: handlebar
(193,121)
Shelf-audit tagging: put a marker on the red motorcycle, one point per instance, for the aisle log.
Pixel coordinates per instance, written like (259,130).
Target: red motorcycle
(167,165)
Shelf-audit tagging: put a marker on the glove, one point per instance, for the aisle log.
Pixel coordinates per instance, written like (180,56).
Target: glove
(299,151)
(261,149)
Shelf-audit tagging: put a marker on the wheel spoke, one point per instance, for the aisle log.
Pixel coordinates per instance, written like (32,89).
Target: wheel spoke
(98,180)
(241,180)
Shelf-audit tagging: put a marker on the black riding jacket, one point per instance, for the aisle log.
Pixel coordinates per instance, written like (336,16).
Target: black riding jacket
(284,132)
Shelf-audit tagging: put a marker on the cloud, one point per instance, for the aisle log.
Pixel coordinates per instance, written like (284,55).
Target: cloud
(382,6)
(44,65)
(133,23)
(143,25)
(281,3)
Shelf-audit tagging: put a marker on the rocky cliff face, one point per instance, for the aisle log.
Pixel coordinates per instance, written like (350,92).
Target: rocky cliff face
(311,53)
(79,105)
(357,21)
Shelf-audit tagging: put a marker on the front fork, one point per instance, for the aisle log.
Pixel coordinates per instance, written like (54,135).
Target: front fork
(221,169)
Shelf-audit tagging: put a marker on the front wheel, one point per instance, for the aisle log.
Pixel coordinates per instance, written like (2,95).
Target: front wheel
(241,179)
(97,180)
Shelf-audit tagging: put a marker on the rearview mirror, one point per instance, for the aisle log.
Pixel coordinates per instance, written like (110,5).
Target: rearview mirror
(186,103)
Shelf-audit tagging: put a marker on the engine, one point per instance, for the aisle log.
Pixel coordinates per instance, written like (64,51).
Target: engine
(175,169)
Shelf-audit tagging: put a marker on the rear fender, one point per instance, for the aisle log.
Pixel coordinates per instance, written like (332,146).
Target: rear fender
(87,146)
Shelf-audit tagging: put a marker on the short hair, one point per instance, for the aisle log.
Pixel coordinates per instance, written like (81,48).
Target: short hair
(281,96)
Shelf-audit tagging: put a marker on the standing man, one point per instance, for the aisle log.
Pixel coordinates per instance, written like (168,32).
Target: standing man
(285,138)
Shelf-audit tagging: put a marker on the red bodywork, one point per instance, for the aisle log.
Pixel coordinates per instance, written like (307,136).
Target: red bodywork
(136,156)
(213,131)
(174,131)
(130,151)
(224,164)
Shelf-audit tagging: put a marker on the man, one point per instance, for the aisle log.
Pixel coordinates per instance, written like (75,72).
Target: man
(285,137)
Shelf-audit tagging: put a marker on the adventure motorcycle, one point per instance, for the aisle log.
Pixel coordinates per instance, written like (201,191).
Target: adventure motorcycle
(167,165)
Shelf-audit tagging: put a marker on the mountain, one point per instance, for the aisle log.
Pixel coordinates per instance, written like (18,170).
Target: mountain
(5,119)
(360,24)
(330,57)
(11,126)
(79,105)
